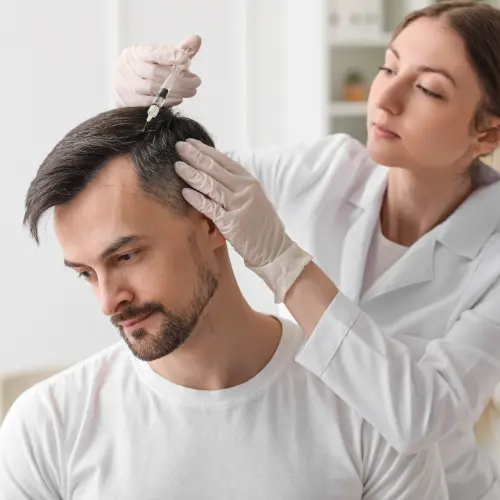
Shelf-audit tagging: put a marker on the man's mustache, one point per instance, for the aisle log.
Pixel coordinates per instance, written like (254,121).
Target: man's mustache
(131,312)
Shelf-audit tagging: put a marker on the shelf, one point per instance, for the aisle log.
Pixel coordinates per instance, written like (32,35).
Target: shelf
(381,40)
(347,109)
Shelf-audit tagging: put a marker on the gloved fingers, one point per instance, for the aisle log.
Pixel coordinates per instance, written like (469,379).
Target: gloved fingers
(158,74)
(142,69)
(158,54)
(125,96)
(193,43)
(182,88)
(181,93)
(219,158)
(168,55)
(192,155)
(150,77)
(204,205)
(185,86)
(170,103)
(134,63)
(130,74)
(131,84)
(141,86)
(205,184)
(187,80)
(155,73)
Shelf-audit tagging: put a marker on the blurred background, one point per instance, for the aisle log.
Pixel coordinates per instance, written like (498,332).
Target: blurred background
(274,72)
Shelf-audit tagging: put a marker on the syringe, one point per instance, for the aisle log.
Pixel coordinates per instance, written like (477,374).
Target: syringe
(166,87)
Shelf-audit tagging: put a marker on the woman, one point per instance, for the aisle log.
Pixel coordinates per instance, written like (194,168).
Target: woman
(412,341)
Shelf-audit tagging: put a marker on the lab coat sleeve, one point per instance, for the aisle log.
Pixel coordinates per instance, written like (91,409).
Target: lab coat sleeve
(412,403)
(27,458)
(286,172)
(389,475)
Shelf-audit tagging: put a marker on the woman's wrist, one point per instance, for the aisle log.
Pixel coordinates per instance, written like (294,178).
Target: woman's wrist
(309,297)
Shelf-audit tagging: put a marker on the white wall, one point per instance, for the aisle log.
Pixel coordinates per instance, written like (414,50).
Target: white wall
(53,76)
(61,52)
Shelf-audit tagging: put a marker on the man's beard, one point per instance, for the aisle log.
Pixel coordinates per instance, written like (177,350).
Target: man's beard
(176,328)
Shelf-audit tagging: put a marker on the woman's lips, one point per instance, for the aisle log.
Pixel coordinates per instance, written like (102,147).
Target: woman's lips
(384,132)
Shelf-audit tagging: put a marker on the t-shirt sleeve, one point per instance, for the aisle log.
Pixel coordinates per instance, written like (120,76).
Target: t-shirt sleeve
(29,457)
(389,475)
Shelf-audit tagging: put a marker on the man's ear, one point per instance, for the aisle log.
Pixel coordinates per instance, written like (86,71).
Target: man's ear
(216,237)
(210,230)
(489,139)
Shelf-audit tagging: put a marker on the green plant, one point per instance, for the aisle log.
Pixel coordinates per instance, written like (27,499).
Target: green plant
(354,77)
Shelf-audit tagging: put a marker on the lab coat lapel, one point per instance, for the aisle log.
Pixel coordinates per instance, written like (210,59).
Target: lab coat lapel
(416,266)
(366,201)
(465,233)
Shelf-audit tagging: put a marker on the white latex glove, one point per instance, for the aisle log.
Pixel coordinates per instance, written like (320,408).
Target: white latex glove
(141,70)
(236,203)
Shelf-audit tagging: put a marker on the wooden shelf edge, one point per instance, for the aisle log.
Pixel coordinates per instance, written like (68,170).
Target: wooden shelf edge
(381,40)
(347,109)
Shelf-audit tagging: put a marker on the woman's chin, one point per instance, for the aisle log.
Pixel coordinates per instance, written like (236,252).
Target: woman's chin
(387,154)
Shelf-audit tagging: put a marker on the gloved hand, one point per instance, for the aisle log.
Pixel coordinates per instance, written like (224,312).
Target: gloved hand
(238,206)
(141,70)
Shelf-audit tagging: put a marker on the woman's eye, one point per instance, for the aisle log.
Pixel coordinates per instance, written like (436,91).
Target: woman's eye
(428,92)
(84,275)
(386,70)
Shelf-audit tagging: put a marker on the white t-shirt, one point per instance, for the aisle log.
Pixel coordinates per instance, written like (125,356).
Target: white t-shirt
(111,427)
(382,255)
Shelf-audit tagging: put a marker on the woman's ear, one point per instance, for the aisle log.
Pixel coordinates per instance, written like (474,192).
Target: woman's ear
(489,139)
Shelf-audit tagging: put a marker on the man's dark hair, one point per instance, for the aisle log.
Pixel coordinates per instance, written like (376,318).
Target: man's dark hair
(79,157)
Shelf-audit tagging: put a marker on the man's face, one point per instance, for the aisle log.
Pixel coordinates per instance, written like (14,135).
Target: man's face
(153,271)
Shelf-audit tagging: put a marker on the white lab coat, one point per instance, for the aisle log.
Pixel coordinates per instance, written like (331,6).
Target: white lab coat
(418,354)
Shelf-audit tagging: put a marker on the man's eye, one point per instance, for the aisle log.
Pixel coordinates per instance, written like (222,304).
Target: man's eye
(126,257)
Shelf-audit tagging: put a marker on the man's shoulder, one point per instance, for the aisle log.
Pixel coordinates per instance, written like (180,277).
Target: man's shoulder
(49,415)
(312,399)
(63,392)
(314,387)
(85,372)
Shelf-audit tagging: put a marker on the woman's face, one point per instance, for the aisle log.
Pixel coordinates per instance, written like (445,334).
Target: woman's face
(423,102)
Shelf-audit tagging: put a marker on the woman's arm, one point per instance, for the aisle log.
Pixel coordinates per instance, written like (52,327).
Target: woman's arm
(309,297)
(412,403)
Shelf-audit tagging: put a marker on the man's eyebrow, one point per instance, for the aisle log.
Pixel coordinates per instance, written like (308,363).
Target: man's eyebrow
(426,69)
(111,249)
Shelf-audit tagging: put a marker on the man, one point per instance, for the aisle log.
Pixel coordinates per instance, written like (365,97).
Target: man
(207,401)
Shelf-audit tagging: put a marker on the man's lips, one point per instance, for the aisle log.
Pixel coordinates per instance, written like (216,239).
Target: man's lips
(132,322)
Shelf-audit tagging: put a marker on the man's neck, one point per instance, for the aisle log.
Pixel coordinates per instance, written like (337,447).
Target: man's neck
(229,346)
(414,204)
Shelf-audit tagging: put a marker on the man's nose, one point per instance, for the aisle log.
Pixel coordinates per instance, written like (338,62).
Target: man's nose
(112,294)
